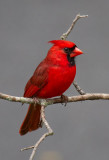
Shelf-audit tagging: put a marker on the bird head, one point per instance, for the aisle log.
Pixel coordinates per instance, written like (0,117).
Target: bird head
(63,48)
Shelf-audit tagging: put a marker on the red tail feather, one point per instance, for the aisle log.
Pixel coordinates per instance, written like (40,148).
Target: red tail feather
(32,120)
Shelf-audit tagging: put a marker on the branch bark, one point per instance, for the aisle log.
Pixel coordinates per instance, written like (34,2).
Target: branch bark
(46,102)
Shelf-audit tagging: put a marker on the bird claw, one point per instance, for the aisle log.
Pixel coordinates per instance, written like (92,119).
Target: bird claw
(36,101)
(64,99)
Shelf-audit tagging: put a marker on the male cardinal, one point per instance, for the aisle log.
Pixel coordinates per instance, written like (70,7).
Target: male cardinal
(52,77)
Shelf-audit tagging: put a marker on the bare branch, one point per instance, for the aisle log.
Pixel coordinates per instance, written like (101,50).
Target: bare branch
(65,35)
(80,91)
(16,99)
(50,132)
(88,96)
(46,102)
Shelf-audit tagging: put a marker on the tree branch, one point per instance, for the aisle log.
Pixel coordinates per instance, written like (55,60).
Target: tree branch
(50,132)
(79,90)
(46,102)
(65,35)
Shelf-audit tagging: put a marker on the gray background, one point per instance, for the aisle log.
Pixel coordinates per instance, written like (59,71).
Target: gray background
(81,130)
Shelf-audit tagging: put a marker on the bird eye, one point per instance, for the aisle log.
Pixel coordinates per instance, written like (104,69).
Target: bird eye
(66,50)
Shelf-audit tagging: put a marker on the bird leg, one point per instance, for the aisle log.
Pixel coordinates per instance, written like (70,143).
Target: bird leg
(64,99)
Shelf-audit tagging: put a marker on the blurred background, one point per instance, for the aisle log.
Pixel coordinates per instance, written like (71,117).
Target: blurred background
(81,130)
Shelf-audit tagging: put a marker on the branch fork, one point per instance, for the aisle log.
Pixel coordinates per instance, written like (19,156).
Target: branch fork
(50,132)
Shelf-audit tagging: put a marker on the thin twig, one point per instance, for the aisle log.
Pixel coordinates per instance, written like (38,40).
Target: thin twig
(65,35)
(26,148)
(80,91)
(50,132)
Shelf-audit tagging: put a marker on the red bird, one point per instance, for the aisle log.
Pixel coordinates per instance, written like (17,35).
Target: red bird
(52,77)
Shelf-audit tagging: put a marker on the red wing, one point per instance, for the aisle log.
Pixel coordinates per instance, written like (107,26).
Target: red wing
(31,90)
(37,81)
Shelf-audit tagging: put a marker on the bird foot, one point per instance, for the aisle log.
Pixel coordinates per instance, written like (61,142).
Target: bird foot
(64,99)
(36,101)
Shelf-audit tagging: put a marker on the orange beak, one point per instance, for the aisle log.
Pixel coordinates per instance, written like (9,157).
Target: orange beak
(76,52)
